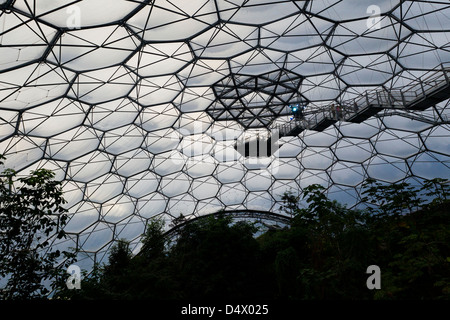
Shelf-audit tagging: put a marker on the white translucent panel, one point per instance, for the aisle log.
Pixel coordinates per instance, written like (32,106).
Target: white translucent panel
(225,152)
(151,205)
(225,40)
(53,117)
(309,177)
(102,85)
(156,90)
(18,50)
(225,130)
(169,162)
(132,162)
(32,84)
(83,50)
(232,193)
(357,150)
(253,163)
(236,207)
(195,99)
(387,168)
(90,166)
(355,38)
(346,173)
(289,147)
(366,129)
(280,187)
(96,237)
(314,158)
(123,139)
(430,165)
(182,204)
(8,121)
(209,206)
(339,10)
(130,228)
(73,143)
(397,143)
(196,145)
(255,99)
(21,151)
(12,57)
(57,167)
(158,117)
(85,215)
(259,201)
(203,188)
(403,123)
(312,61)
(142,184)
(175,184)
(425,15)
(113,114)
(65,244)
(344,195)
(355,92)
(255,181)
(62,13)
(200,166)
(104,188)
(174,20)
(162,141)
(257,62)
(230,172)
(194,123)
(295,32)
(160,59)
(285,168)
(367,69)
(255,12)
(437,140)
(321,87)
(422,50)
(73,193)
(117,209)
(204,72)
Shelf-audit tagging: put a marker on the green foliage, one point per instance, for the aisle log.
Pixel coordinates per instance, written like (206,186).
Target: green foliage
(323,254)
(331,242)
(215,258)
(32,214)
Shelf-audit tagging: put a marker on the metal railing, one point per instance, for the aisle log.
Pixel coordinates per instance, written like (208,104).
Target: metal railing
(426,86)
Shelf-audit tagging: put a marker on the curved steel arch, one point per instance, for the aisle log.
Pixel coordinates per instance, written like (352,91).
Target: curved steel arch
(256,215)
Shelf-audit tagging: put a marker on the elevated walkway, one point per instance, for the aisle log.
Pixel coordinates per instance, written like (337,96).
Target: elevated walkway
(428,90)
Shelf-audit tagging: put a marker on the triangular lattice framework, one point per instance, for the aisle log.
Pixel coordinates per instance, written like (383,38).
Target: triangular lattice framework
(136,105)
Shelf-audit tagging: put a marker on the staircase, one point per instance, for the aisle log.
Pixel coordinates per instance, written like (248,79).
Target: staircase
(429,90)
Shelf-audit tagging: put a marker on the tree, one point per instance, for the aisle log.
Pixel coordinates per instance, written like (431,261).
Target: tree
(332,244)
(404,231)
(32,214)
(215,258)
(323,254)
(412,229)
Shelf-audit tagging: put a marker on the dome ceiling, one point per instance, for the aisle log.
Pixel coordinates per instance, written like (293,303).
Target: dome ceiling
(137,105)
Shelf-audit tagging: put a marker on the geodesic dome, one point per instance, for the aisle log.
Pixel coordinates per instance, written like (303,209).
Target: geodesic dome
(137,105)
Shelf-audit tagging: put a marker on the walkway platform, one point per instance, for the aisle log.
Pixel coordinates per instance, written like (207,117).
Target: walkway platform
(429,90)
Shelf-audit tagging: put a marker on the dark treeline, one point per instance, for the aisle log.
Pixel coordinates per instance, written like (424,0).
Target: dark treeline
(323,254)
